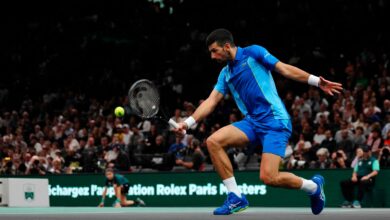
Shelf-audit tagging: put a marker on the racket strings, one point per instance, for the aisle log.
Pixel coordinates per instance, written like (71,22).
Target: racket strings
(144,99)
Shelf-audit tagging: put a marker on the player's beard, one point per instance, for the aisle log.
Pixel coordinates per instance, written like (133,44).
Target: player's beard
(226,57)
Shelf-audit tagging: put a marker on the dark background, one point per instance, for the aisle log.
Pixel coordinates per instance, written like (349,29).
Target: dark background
(98,48)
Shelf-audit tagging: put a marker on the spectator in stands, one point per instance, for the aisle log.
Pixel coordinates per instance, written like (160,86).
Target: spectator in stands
(386,127)
(201,131)
(335,124)
(344,126)
(194,157)
(323,112)
(177,117)
(71,143)
(349,112)
(111,155)
(136,139)
(386,142)
(384,153)
(122,161)
(144,126)
(297,161)
(358,156)
(177,146)
(72,160)
(358,137)
(360,122)
(319,136)
(329,142)
(372,112)
(346,143)
(157,146)
(303,148)
(151,136)
(56,167)
(302,106)
(38,132)
(7,166)
(363,177)
(34,142)
(89,158)
(307,130)
(375,141)
(384,157)
(386,106)
(35,167)
(127,134)
(323,161)
(339,159)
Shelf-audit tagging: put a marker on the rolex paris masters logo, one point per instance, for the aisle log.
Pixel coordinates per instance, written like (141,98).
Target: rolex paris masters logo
(29,191)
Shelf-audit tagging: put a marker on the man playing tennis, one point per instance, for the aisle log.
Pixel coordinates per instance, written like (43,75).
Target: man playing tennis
(247,76)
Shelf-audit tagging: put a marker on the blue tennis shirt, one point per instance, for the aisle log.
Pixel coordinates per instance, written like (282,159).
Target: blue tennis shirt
(248,78)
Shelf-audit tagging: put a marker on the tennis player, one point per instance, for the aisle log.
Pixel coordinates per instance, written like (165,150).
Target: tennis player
(121,188)
(247,76)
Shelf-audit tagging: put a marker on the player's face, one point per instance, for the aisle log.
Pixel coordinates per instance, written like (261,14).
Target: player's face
(109,175)
(218,53)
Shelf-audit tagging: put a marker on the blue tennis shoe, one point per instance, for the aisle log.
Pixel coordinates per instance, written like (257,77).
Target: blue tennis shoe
(317,199)
(233,204)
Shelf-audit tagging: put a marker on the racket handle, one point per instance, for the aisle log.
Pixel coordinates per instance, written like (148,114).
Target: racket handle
(175,125)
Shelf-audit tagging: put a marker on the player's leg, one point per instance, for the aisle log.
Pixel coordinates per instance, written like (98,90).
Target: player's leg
(363,187)
(347,189)
(124,189)
(229,136)
(274,140)
(136,202)
(125,202)
(270,175)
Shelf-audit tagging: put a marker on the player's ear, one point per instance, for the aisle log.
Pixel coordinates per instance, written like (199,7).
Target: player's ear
(227,46)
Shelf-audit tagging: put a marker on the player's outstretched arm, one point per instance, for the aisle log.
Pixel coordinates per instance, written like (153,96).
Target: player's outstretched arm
(202,111)
(103,197)
(299,75)
(117,190)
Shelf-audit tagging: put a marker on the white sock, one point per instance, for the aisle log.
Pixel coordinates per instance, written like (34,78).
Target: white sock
(309,186)
(231,186)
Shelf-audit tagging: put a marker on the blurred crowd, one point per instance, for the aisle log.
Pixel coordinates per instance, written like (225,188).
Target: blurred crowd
(85,136)
(66,74)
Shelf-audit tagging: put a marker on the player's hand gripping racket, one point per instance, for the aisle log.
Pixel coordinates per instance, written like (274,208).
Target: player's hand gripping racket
(144,101)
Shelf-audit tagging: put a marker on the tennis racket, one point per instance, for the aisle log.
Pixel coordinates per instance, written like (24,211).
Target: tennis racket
(144,100)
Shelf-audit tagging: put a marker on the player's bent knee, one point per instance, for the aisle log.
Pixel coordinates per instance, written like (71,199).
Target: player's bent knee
(212,143)
(268,179)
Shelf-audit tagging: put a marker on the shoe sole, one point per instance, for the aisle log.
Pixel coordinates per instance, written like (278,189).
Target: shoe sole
(239,209)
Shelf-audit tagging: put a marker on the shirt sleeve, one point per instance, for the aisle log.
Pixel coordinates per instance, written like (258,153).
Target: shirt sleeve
(356,169)
(221,85)
(262,55)
(375,165)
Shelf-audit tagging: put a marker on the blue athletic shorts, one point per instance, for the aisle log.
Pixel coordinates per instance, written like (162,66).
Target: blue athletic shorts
(272,134)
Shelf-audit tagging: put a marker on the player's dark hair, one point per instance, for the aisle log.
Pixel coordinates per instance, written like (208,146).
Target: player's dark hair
(220,36)
(110,170)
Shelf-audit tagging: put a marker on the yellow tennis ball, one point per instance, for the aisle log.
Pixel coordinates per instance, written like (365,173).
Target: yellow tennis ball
(119,111)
